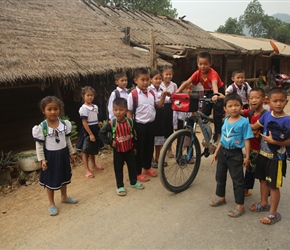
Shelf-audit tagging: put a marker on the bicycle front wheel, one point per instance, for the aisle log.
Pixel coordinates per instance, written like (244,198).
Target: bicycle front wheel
(177,173)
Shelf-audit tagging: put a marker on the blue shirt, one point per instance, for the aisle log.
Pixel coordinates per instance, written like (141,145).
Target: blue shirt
(234,134)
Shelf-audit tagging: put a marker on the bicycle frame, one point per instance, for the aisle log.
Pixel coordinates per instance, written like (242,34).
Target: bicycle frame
(198,118)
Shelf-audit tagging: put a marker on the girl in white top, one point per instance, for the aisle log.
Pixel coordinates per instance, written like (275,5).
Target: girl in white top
(89,115)
(54,151)
(169,86)
(159,139)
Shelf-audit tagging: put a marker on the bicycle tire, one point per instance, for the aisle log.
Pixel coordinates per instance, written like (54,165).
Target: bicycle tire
(179,173)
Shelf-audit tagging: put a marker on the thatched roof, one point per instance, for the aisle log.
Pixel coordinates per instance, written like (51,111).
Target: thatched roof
(49,39)
(173,36)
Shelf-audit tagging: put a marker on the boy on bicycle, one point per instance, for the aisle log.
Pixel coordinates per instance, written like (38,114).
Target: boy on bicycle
(212,85)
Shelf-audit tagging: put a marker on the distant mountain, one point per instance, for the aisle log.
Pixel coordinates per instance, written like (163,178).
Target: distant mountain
(283,17)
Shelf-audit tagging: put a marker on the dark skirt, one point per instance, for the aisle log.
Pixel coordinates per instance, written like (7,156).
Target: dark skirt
(158,123)
(58,171)
(167,119)
(83,134)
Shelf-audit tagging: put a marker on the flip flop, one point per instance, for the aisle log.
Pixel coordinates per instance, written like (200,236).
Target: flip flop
(89,175)
(138,185)
(143,178)
(70,200)
(121,191)
(217,202)
(97,168)
(235,213)
(150,172)
(53,211)
(273,219)
(258,207)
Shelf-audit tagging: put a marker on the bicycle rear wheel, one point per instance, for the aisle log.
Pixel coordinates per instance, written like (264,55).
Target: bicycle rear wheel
(182,169)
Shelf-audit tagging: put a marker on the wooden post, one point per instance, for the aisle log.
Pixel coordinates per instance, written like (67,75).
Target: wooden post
(127,35)
(153,56)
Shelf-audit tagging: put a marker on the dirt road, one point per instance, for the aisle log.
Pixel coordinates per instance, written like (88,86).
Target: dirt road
(152,218)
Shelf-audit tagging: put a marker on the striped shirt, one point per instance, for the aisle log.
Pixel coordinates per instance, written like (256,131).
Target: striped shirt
(123,137)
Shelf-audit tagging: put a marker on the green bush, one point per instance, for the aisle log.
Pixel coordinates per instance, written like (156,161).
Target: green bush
(74,132)
(7,160)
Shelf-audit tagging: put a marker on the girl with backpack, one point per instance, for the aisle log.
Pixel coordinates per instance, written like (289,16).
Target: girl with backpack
(54,150)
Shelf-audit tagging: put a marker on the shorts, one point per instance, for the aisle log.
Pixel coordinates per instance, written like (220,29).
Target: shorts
(270,170)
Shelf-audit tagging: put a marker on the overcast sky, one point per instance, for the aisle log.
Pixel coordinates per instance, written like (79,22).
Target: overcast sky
(210,14)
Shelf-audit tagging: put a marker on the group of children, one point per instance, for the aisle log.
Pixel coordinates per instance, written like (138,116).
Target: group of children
(145,114)
(257,135)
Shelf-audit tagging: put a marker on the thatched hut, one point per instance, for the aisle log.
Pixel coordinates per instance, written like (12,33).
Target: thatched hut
(54,47)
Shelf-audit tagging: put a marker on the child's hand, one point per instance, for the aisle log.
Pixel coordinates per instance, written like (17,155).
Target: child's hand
(215,98)
(100,124)
(214,158)
(135,151)
(72,159)
(246,162)
(165,93)
(43,165)
(269,138)
(92,138)
(114,143)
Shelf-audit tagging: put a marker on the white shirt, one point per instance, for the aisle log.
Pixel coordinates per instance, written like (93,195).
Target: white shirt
(241,92)
(157,93)
(172,87)
(145,111)
(123,94)
(89,112)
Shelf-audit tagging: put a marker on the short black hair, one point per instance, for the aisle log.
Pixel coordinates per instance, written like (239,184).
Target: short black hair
(166,67)
(258,90)
(119,101)
(118,75)
(238,71)
(154,73)
(277,90)
(205,55)
(267,89)
(140,71)
(231,97)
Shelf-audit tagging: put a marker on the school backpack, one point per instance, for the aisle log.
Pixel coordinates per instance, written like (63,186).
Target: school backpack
(245,88)
(135,99)
(114,125)
(117,94)
(44,126)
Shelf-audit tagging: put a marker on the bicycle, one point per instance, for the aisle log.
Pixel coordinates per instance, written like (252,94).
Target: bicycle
(181,170)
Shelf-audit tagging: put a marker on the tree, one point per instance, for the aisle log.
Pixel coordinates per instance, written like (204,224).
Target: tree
(232,26)
(159,7)
(253,19)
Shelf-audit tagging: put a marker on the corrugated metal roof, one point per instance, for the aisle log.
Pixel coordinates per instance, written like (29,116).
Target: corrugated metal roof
(254,45)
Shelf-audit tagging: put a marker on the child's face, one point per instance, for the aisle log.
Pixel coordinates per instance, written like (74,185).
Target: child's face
(233,108)
(266,100)
(167,75)
(256,99)
(188,89)
(278,102)
(89,97)
(239,79)
(122,82)
(120,112)
(203,65)
(51,111)
(143,81)
(156,80)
